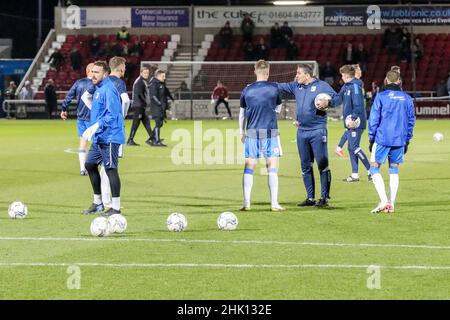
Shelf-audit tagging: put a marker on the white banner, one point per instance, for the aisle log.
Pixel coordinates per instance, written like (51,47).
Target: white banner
(74,17)
(298,16)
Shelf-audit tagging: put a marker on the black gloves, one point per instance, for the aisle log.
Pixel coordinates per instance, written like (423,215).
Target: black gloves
(370,145)
(406,148)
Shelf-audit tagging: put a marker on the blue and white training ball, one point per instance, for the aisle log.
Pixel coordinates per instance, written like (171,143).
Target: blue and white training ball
(357,122)
(117,223)
(227,221)
(321,96)
(176,222)
(17,210)
(100,227)
(438,137)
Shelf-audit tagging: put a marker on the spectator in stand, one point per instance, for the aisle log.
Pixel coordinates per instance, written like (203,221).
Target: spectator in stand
(405,43)
(123,34)
(261,50)
(104,51)
(116,49)
(417,50)
(441,89)
(75,59)
(291,50)
(50,97)
(248,51)
(94,45)
(226,36)
(286,33)
(361,56)
(10,92)
(220,95)
(349,55)
(392,40)
(27,92)
(56,59)
(276,38)
(183,91)
(371,96)
(247,26)
(201,80)
(328,73)
(136,49)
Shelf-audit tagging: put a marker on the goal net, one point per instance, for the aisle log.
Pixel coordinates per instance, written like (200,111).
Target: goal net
(192,83)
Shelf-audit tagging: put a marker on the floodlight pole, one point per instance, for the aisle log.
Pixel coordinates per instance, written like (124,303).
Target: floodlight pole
(39,21)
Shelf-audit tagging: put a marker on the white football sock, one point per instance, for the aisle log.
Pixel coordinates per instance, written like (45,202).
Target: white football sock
(105,187)
(116,203)
(97,199)
(247,185)
(379,186)
(393,184)
(273,187)
(82,159)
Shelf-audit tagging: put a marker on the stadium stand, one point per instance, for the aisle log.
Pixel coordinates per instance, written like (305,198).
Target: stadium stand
(153,46)
(432,68)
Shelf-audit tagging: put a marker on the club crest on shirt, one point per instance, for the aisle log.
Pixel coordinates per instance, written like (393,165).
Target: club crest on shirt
(348,92)
(313,89)
(97,95)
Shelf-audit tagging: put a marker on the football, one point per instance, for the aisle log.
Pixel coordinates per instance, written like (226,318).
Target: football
(117,223)
(349,118)
(100,227)
(321,96)
(227,221)
(17,210)
(176,222)
(438,137)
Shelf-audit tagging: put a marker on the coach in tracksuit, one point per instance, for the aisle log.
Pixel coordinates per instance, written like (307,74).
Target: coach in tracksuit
(353,102)
(158,104)
(107,134)
(312,134)
(140,98)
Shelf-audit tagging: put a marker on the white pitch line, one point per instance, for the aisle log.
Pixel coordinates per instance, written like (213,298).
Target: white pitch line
(214,265)
(263,242)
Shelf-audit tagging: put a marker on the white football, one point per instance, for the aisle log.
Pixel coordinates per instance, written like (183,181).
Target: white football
(321,96)
(100,227)
(349,118)
(438,137)
(117,223)
(227,221)
(17,210)
(177,222)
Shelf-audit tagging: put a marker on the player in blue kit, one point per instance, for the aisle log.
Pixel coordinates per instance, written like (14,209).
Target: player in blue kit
(117,72)
(83,112)
(358,76)
(353,101)
(260,103)
(312,134)
(107,134)
(391,125)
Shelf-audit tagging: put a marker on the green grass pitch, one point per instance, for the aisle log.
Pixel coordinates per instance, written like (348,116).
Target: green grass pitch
(299,254)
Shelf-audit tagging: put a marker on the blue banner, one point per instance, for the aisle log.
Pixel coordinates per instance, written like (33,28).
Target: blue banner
(400,15)
(159,18)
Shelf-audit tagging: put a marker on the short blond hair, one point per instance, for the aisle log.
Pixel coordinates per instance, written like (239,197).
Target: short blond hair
(392,77)
(261,65)
(347,69)
(116,62)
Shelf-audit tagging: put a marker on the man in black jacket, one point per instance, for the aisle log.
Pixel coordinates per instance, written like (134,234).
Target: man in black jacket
(140,96)
(158,104)
(50,97)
